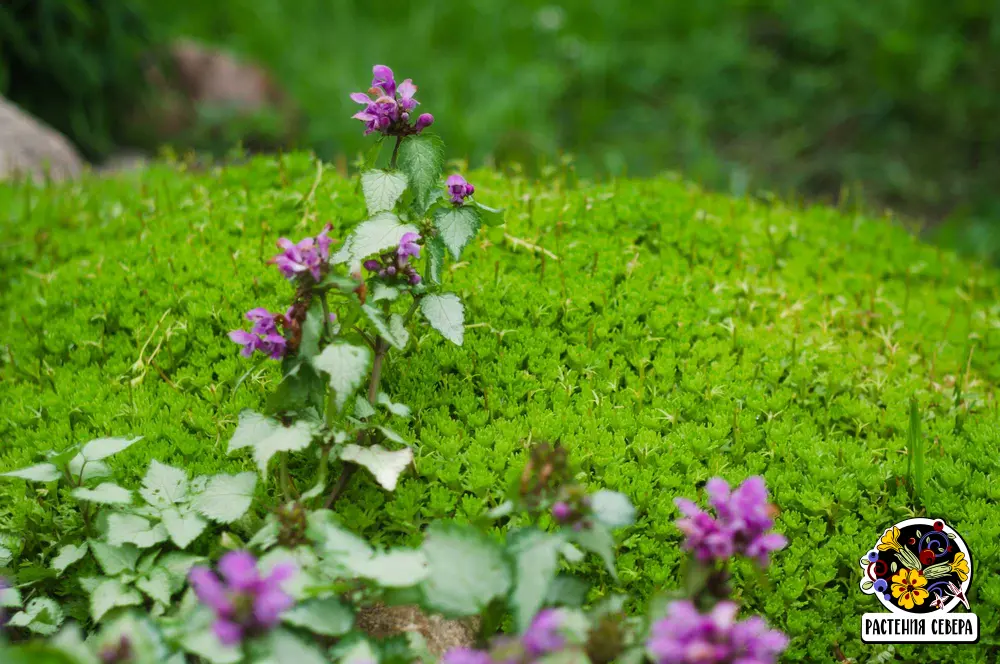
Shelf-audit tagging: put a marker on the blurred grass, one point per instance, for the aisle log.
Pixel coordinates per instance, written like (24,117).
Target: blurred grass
(895,102)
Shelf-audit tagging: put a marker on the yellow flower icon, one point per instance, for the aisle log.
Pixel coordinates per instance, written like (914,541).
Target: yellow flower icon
(908,588)
(960,566)
(890,540)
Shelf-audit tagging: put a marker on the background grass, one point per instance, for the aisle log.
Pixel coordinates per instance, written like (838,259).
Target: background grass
(895,101)
(679,335)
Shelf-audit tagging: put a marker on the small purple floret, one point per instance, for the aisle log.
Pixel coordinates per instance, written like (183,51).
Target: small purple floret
(458,189)
(388,106)
(308,255)
(244,602)
(743,519)
(685,636)
(561,511)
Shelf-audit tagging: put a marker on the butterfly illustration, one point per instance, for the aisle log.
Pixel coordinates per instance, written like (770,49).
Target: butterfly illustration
(937,602)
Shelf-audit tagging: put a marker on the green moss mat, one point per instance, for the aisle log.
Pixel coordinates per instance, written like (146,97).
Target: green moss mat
(679,335)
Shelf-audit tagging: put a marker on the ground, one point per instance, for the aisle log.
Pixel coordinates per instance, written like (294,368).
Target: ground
(663,334)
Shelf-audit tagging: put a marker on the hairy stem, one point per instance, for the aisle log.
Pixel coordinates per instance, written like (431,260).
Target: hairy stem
(395,152)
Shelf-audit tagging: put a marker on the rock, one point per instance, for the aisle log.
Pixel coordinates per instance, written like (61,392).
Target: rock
(29,147)
(380,621)
(198,89)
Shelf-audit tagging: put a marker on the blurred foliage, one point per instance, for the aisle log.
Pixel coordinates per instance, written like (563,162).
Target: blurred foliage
(75,64)
(894,102)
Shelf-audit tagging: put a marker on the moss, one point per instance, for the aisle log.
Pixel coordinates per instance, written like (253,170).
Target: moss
(677,336)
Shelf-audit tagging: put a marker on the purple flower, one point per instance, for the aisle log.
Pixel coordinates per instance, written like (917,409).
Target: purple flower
(244,602)
(309,255)
(743,519)
(249,341)
(273,345)
(388,105)
(466,656)
(408,246)
(264,322)
(544,635)
(685,636)
(561,511)
(382,78)
(458,189)
(425,120)
(406,91)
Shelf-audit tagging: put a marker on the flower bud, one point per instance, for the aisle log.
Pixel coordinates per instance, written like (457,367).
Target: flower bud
(425,120)
(372,265)
(561,511)
(415,279)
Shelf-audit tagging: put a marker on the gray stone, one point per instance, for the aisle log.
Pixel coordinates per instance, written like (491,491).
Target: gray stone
(28,147)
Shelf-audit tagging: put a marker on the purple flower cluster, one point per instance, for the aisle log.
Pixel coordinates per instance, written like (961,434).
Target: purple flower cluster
(544,636)
(309,255)
(458,189)
(263,336)
(685,636)
(395,264)
(743,519)
(388,106)
(245,603)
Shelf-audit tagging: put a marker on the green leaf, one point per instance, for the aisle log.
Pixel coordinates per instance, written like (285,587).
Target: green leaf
(392,331)
(205,644)
(383,291)
(312,330)
(327,617)
(359,652)
(164,486)
(226,498)
(183,528)
(114,559)
(435,259)
(69,554)
(43,472)
(362,409)
(133,529)
(536,560)
(384,464)
(102,448)
(378,234)
(467,569)
(105,494)
(490,216)
(421,158)
(177,565)
(399,409)
(267,436)
(614,509)
(382,189)
(597,539)
(456,227)
(287,648)
(41,616)
(156,586)
(88,470)
(10,598)
(394,569)
(110,594)
(567,590)
(445,314)
(39,653)
(334,541)
(346,365)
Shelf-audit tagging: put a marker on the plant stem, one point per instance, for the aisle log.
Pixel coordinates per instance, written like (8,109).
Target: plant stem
(412,310)
(381,348)
(285,483)
(395,152)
